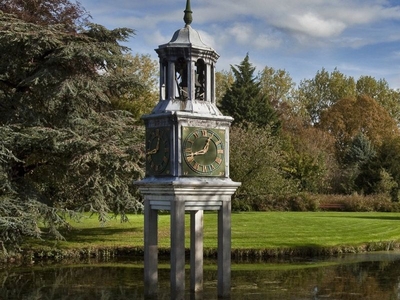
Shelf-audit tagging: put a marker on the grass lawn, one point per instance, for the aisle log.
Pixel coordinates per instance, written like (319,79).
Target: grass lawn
(250,230)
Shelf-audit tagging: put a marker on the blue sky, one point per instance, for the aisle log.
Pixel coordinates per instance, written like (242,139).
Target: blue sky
(358,37)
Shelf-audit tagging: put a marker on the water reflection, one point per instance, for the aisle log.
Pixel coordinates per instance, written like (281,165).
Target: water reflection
(366,276)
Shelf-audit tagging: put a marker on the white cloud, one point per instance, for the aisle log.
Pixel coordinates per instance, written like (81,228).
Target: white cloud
(302,36)
(264,41)
(315,26)
(241,32)
(247,36)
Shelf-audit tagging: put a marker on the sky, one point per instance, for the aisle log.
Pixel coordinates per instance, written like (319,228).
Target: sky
(358,37)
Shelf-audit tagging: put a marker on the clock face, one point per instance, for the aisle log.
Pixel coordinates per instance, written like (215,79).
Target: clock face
(203,152)
(157,151)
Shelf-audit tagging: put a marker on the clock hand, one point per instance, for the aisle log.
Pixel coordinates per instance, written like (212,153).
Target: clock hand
(205,148)
(207,145)
(155,150)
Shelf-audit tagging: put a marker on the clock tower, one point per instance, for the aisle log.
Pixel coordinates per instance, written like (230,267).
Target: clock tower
(187,161)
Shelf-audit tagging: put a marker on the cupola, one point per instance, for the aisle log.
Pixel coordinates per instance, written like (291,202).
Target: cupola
(187,72)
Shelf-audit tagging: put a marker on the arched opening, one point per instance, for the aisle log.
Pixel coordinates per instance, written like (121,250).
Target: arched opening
(200,79)
(181,79)
(163,80)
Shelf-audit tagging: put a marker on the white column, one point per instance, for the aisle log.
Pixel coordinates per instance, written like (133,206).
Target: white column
(212,87)
(224,250)
(171,90)
(150,249)
(191,80)
(208,84)
(177,248)
(196,250)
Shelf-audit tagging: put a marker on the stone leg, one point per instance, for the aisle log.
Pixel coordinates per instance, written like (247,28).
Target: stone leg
(224,250)
(150,250)
(177,249)
(196,251)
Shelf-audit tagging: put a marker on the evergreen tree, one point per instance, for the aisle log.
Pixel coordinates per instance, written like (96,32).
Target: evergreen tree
(358,166)
(244,100)
(63,148)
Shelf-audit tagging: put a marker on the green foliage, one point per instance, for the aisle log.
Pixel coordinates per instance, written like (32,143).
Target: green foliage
(387,185)
(141,98)
(287,202)
(309,158)
(276,85)
(256,161)
(318,94)
(357,166)
(245,102)
(305,169)
(388,164)
(223,81)
(63,148)
(360,151)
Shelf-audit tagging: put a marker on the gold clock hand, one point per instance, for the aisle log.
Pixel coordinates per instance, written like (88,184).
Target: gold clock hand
(205,148)
(200,152)
(155,150)
(207,145)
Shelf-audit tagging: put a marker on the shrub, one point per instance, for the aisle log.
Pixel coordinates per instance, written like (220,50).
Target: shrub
(314,202)
(360,203)
(290,202)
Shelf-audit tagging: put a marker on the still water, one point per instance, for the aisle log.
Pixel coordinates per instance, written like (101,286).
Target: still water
(358,276)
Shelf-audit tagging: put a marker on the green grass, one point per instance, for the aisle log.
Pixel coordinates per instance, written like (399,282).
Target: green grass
(250,230)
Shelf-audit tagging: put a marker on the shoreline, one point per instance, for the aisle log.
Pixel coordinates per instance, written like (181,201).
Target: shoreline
(30,256)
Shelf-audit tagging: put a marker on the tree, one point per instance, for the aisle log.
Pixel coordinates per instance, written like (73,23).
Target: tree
(379,91)
(244,100)
(256,160)
(358,158)
(309,159)
(349,117)
(318,94)
(223,81)
(276,85)
(388,167)
(45,12)
(140,99)
(63,148)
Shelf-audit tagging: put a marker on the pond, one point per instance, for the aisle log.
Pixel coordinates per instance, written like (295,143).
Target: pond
(358,276)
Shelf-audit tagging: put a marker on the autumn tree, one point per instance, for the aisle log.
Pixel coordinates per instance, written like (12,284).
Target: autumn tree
(44,12)
(63,148)
(380,91)
(349,117)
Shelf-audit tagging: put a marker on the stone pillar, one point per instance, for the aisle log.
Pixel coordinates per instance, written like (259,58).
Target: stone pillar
(196,251)
(150,249)
(224,249)
(177,248)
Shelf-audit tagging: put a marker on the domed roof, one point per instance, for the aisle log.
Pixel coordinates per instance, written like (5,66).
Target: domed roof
(187,36)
